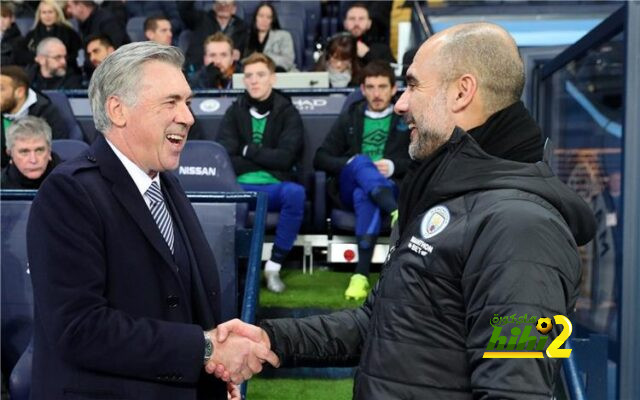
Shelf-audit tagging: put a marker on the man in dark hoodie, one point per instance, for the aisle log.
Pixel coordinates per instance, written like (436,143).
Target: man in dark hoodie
(262,132)
(480,236)
(18,100)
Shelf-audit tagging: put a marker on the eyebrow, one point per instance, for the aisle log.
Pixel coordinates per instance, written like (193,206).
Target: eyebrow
(178,97)
(410,79)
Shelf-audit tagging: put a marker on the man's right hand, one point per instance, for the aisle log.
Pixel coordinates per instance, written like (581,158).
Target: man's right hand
(241,356)
(233,329)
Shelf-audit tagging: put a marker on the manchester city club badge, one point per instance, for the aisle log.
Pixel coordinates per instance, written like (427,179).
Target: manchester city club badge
(434,221)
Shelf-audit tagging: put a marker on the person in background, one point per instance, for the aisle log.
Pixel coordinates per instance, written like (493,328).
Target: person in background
(50,71)
(218,64)
(18,100)
(97,48)
(29,150)
(158,29)
(164,9)
(341,61)
(266,37)
(366,155)
(97,20)
(358,22)
(51,22)
(11,40)
(262,132)
(221,18)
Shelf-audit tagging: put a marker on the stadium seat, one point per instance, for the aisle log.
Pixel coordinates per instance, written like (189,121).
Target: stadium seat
(353,97)
(135,29)
(68,148)
(184,39)
(295,25)
(60,100)
(25,24)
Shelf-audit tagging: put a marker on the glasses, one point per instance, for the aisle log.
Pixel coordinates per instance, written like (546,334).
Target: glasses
(59,57)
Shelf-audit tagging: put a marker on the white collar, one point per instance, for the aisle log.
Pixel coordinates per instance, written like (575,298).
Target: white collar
(140,178)
(378,114)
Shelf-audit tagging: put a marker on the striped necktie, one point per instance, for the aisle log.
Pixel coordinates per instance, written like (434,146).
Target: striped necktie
(160,213)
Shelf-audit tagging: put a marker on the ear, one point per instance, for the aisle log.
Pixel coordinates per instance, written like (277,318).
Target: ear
(39,59)
(465,89)
(394,90)
(273,78)
(116,111)
(362,88)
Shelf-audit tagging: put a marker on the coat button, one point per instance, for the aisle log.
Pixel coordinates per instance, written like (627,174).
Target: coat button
(173,301)
(91,158)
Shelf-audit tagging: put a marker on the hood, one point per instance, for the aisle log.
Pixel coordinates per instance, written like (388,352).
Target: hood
(460,166)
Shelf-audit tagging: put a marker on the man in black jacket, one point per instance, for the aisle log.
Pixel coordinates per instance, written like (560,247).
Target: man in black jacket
(480,237)
(262,132)
(366,156)
(357,21)
(18,100)
(95,20)
(203,24)
(50,71)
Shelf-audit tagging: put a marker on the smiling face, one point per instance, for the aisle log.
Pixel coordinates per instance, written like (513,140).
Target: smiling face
(258,80)
(153,132)
(424,104)
(31,155)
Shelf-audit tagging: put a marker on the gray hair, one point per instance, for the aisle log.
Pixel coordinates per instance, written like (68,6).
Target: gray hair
(28,127)
(489,53)
(120,75)
(43,46)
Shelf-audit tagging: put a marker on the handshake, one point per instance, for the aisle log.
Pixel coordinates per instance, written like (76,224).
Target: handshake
(239,350)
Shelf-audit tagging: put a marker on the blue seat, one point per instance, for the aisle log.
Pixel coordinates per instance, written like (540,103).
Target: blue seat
(60,100)
(25,24)
(184,39)
(216,212)
(353,97)
(135,29)
(68,148)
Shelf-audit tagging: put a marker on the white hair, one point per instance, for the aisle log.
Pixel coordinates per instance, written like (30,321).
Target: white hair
(28,127)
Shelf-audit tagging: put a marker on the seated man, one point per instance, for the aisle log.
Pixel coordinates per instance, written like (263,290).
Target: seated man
(29,147)
(18,100)
(50,71)
(262,132)
(219,64)
(366,155)
(97,48)
(358,22)
(158,29)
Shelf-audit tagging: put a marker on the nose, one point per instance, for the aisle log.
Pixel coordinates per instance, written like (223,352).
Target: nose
(402,105)
(184,115)
(32,157)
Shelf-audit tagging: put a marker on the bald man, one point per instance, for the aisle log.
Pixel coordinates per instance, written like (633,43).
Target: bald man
(51,71)
(481,237)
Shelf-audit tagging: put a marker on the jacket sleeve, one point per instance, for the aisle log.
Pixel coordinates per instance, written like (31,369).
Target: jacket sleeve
(522,260)
(283,53)
(332,155)
(229,138)
(289,147)
(321,340)
(68,264)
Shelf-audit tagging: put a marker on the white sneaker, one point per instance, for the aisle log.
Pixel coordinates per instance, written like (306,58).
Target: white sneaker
(274,283)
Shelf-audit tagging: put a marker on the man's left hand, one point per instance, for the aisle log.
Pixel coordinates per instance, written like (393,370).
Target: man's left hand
(363,49)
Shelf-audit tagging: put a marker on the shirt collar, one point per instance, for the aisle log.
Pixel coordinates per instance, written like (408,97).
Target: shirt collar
(32,98)
(140,178)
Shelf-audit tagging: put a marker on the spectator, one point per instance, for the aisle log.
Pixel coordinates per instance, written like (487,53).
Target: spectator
(358,23)
(95,20)
(50,71)
(10,37)
(265,36)
(98,47)
(219,66)
(366,156)
(164,9)
(341,61)
(203,24)
(262,132)
(29,149)
(18,100)
(51,22)
(158,29)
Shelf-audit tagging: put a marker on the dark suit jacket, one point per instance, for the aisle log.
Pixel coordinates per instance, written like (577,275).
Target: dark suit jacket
(112,319)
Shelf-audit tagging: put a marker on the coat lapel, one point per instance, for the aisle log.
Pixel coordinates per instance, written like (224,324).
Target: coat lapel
(125,190)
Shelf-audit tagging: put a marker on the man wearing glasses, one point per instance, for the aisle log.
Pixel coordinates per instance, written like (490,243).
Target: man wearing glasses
(50,70)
